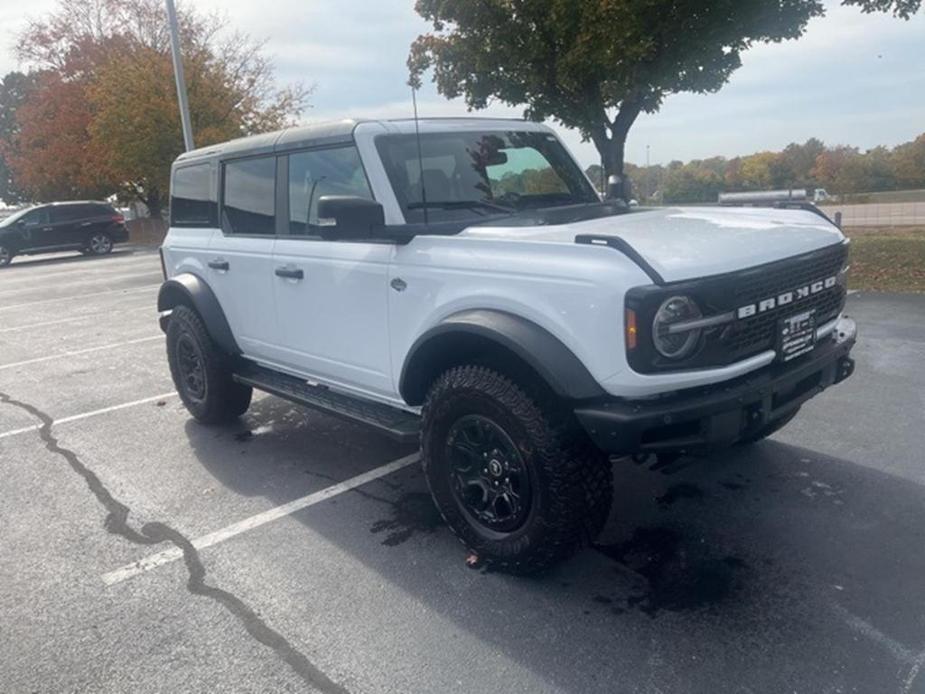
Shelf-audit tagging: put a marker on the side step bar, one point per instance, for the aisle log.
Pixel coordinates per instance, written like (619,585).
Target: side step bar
(400,425)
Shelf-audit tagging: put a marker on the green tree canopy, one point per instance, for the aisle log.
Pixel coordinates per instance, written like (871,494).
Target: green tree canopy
(595,65)
(14,89)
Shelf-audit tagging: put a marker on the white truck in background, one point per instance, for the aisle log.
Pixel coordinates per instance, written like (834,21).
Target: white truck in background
(769,197)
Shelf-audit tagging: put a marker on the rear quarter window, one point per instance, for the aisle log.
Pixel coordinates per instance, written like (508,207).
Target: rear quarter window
(192,202)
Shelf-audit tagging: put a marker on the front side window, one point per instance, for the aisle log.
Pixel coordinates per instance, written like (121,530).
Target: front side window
(249,196)
(318,173)
(192,202)
(475,174)
(37,217)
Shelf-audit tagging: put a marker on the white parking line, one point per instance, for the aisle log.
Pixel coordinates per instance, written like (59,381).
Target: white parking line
(80,296)
(169,555)
(72,319)
(87,415)
(78,352)
(30,282)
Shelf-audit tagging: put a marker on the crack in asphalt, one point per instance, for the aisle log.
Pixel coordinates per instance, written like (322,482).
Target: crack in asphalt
(154,533)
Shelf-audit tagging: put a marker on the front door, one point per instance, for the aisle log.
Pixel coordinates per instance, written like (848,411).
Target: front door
(36,230)
(239,263)
(331,296)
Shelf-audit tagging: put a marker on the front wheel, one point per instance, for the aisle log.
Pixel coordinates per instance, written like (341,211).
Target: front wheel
(519,486)
(6,256)
(201,372)
(99,244)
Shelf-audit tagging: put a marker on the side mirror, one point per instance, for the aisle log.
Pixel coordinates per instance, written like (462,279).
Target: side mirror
(349,217)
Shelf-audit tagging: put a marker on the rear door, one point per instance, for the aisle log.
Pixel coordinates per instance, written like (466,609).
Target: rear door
(65,224)
(240,258)
(331,296)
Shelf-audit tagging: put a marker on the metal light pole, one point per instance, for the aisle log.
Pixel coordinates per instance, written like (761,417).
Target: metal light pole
(178,73)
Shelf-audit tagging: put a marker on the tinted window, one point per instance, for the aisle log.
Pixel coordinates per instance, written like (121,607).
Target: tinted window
(318,173)
(36,217)
(249,197)
(191,201)
(101,210)
(475,174)
(69,213)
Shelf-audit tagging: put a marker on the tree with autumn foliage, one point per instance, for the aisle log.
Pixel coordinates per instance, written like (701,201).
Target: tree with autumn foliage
(595,65)
(104,117)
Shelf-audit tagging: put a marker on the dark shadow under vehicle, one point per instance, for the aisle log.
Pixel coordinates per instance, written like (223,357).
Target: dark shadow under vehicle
(755,569)
(93,228)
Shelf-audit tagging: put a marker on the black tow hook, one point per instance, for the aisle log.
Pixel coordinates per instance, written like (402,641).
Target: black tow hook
(845,369)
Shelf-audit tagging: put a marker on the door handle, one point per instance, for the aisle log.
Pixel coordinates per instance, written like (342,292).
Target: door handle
(46,229)
(219,264)
(291,273)
(86,224)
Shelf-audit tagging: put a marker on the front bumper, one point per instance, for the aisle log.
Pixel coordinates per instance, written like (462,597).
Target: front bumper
(719,415)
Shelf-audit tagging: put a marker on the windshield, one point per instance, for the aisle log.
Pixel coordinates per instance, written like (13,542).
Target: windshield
(15,217)
(467,175)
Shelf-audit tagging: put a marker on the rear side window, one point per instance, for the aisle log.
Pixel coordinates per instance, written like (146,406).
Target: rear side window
(192,203)
(249,196)
(69,213)
(322,172)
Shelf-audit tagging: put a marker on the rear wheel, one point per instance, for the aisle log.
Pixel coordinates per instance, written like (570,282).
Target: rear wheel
(519,486)
(6,256)
(201,372)
(99,244)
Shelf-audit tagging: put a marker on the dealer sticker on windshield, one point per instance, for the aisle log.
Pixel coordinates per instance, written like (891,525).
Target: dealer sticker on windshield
(797,335)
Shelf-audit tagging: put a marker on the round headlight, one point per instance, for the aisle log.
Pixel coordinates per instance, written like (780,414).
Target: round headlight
(675,344)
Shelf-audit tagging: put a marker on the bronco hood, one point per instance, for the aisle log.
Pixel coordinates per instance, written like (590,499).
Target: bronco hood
(682,243)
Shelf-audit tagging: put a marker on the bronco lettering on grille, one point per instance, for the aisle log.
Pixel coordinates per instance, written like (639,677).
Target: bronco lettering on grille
(771,303)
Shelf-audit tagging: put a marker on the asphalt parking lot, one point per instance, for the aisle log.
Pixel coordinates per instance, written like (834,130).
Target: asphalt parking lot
(293,552)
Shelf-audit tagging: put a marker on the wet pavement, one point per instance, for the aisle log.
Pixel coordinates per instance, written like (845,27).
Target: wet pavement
(796,565)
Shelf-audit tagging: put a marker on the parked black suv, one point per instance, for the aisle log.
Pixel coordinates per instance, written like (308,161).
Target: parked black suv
(89,227)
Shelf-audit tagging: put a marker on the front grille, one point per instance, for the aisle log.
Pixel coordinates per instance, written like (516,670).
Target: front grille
(759,333)
(722,294)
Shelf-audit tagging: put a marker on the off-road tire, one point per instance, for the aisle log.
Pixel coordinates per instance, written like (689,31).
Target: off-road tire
(769,429)
(220,399)
(571,483)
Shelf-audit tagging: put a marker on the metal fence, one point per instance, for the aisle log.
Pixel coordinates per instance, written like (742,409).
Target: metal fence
(895,214)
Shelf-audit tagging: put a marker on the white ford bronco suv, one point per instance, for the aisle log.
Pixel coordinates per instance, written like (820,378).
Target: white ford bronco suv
(462,283)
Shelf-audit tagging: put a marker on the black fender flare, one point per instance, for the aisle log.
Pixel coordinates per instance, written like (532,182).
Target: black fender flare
(532,344)
(191,290)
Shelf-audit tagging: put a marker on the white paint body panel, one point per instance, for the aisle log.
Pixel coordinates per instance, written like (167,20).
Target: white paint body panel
(343,325)
(683,243)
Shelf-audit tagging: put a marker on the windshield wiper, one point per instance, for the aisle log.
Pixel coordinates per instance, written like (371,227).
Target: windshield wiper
(461,205)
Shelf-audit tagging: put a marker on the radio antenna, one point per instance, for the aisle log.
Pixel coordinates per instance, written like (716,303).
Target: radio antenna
(417,135)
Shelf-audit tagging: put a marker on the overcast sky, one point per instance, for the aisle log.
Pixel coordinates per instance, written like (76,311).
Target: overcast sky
(852,79)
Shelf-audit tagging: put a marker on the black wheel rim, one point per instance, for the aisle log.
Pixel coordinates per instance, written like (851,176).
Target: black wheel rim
(192,371)
(488,476)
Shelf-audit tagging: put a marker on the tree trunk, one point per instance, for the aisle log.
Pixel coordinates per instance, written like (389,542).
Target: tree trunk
(612,157)
(154,204)
(612,146)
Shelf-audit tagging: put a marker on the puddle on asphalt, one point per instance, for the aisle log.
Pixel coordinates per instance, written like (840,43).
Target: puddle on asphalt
(411,513)
(678,576)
